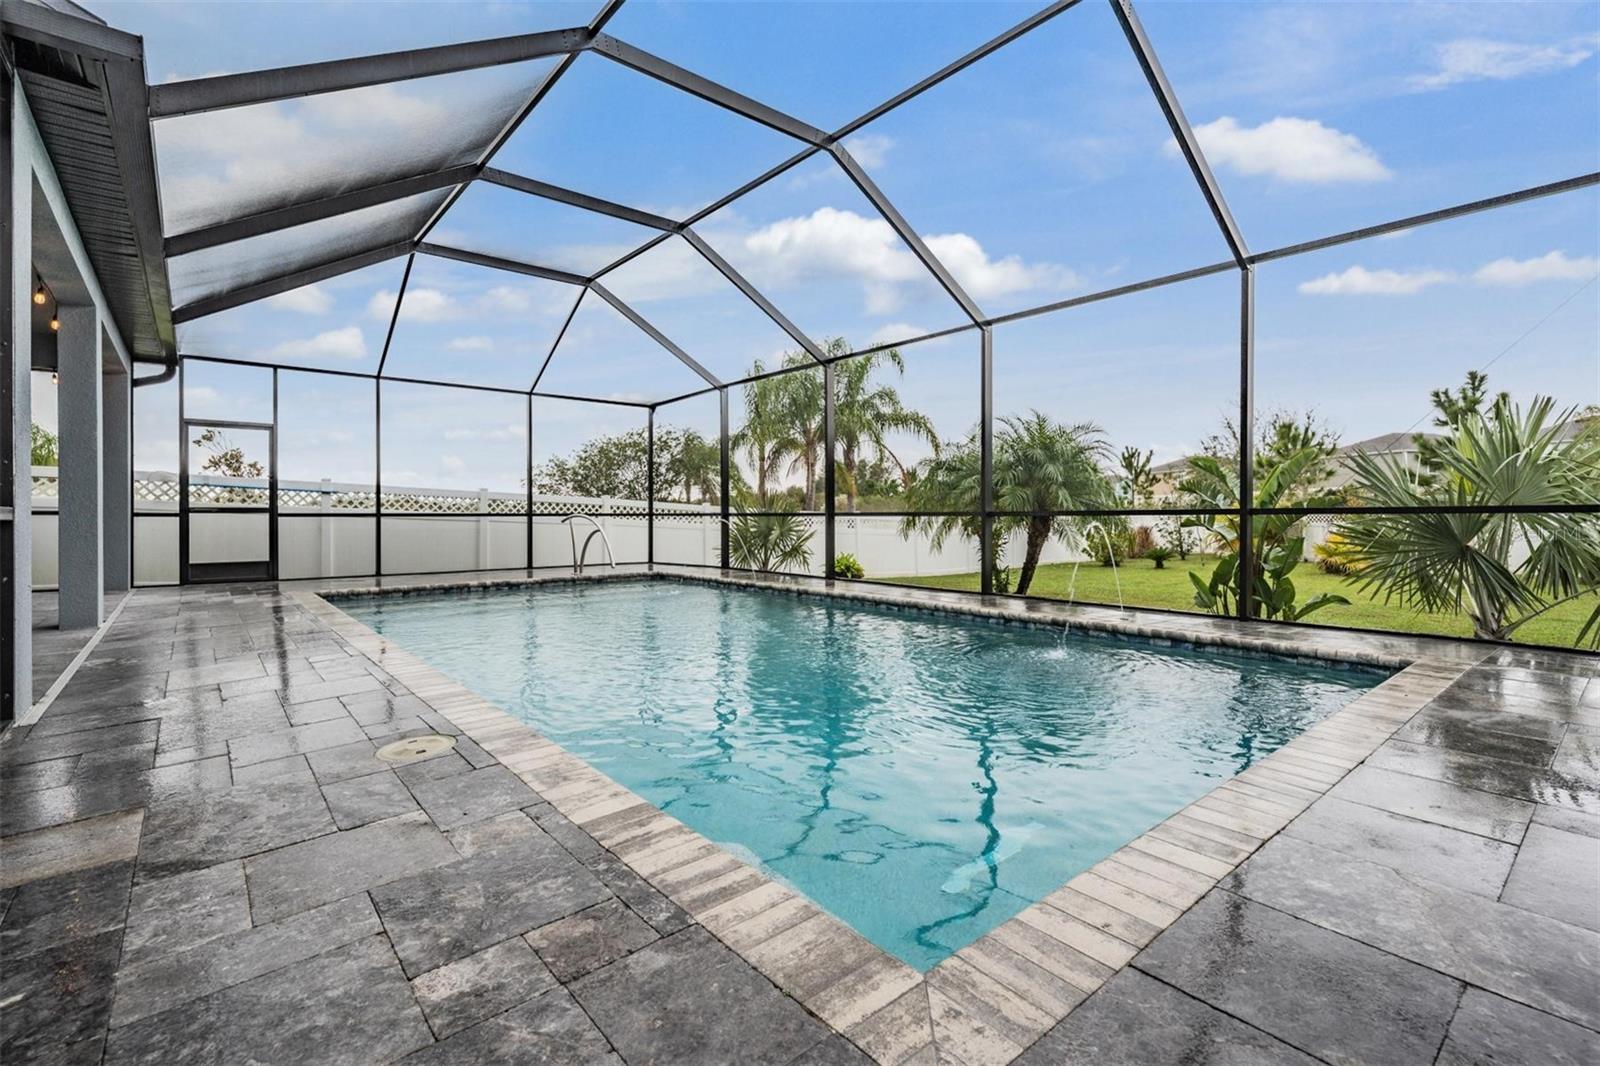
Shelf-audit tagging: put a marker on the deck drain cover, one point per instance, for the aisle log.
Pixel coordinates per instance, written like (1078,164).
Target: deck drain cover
(414,748)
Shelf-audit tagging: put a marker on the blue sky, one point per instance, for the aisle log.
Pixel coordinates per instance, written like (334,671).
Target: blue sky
(1043,172)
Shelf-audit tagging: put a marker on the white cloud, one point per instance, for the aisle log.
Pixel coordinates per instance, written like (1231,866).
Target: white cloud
(1552,266)
(471,344)
(452,462)
(1359,281)
(306,300)
(508,298)
(831,242)
(420,305)
(986,278)
(894,332)
(1476,59)
(1290,149)
(346,343)
(199,394)
(871,150)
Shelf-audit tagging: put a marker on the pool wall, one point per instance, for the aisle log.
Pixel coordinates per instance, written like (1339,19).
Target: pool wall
(990,1000)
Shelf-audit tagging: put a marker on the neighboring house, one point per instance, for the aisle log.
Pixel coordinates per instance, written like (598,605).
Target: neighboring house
(1400,446)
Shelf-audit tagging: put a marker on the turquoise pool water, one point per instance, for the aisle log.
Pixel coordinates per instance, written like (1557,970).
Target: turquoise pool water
(922,777)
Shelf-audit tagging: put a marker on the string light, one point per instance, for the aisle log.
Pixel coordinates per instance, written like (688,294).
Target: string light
(38,294)
(55,323)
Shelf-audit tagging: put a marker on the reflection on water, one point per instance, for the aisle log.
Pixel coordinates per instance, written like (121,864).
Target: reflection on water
(923,778)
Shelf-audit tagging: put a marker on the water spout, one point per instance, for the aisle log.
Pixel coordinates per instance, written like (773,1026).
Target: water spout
(1111,553)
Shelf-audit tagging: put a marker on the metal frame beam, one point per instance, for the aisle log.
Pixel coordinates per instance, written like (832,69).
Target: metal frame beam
(1444,214)
(1188,143)
(727,270)
(903,229)
(654,66)
(200,95)
(655,334)
(546,191)
(548,82)
(949,70)
(297,214)
(513,266)
(560,333)
(260,290)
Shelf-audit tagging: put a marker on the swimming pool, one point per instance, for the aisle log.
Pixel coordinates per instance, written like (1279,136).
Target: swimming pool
(922,776)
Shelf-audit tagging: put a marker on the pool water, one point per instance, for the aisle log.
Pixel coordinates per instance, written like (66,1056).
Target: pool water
(921,776)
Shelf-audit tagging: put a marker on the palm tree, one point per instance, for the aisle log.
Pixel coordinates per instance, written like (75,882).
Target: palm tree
(1041,467)
(769,541)
(699,463)
(762,428)
(1501,569)
(802,435)
(867,413)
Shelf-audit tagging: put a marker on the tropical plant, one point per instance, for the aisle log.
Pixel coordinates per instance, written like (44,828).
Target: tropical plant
(1160,556)
(1502,570)
(847,565)
(45,447)
(1335,556)
(769,541)
(1041,468)
(1214,484)
(867,413)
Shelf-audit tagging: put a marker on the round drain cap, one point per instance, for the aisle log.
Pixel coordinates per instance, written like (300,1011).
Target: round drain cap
(413,749)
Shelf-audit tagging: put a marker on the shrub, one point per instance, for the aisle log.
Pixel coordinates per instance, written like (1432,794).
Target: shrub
(1337,555)
(1159,556)
(847,565)
(1113,547)
(1144,539)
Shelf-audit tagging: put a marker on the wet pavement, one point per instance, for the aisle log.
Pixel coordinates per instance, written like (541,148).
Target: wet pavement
(202,860)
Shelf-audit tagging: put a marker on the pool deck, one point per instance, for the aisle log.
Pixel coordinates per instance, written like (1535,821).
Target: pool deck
(201,860)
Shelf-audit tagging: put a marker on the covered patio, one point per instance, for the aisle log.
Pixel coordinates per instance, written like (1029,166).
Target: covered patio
(1058,320)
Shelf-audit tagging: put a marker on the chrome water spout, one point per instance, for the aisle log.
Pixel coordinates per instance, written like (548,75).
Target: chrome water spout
(1111,553)
(579,557)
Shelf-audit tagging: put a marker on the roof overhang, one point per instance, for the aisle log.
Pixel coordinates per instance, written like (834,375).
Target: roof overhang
(85,86)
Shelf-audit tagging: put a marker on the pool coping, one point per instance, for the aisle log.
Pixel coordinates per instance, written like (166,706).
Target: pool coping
(988,1002)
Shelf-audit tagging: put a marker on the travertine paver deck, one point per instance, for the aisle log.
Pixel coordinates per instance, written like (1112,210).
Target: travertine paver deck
(202,860)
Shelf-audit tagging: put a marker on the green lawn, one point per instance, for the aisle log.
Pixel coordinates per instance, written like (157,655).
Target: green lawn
(1145,586)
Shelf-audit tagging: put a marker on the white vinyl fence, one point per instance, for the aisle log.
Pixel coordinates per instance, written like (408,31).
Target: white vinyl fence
(328,529)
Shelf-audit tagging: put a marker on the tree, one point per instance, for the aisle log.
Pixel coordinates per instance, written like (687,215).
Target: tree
(693,462)
(1137,479)
(610,466)
(1500,569)
(782,426)
(226,457)
(45,446)
(867,413)
(1284,435)
(615,466)
(1041,467)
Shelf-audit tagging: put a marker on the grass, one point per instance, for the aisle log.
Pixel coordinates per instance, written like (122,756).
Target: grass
(1145,586)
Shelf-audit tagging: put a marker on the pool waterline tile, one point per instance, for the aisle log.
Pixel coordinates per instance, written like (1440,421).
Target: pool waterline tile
(969,1003)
